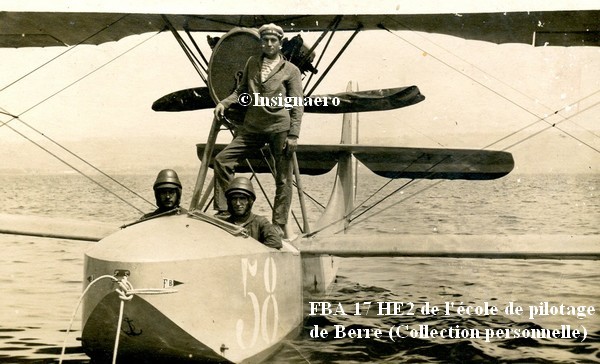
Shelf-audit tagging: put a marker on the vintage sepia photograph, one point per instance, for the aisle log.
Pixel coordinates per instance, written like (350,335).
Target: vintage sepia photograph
(299,182)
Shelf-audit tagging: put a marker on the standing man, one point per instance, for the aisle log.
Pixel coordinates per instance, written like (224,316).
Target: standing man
(240,198)
(167,191)
(267,76)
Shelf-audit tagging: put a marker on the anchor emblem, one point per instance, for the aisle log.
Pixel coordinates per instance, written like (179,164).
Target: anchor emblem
(130,331)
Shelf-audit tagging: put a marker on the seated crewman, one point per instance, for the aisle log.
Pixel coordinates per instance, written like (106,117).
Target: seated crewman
(240,198)
(167,191)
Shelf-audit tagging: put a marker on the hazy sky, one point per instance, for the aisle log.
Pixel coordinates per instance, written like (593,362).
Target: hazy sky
(477,93)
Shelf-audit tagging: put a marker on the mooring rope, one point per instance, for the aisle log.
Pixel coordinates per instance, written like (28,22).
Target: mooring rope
(124,294)
(125,291)
(62,352)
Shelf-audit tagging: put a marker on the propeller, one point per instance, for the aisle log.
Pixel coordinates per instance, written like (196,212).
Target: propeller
(198,98)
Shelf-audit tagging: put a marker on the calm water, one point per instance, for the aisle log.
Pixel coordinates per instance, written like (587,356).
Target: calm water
(41,278)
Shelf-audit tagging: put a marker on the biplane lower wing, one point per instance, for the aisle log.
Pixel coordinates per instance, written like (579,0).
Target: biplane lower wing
(199,98)
(391,162)
(59,228)
(528,246)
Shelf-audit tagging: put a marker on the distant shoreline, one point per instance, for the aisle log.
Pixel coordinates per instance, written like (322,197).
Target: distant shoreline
(128,172)
(189,170)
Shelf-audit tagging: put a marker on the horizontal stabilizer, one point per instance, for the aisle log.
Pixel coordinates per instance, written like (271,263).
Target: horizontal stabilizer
(49,227)
(393,162)
(198,98)
(585,247)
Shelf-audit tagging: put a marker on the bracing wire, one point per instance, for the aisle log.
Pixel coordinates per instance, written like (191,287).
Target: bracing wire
(438,182)
(492,76)
(72,167)
(486,87)
(441,181)
(372,195)
(550,125)
(81,159)
(554,126)
(18,117)
(538,120)
(85,76)
(63,53)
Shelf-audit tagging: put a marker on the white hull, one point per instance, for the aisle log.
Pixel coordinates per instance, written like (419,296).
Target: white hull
(319,273)
(222,298)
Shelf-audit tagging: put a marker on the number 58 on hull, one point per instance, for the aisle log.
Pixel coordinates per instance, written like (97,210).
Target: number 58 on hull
(204,295)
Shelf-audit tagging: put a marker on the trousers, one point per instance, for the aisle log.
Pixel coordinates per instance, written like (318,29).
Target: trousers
(235,153)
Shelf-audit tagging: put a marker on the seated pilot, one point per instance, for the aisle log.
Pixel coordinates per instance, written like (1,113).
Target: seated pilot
(167,191)
(240,198)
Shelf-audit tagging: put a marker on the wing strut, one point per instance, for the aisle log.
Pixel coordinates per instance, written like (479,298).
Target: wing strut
(208,152)
(300,194)
(334,60)
(332,26)
(188,52)
(205,67)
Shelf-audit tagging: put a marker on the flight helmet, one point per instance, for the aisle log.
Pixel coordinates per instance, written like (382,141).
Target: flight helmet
(167,178)
(241,185)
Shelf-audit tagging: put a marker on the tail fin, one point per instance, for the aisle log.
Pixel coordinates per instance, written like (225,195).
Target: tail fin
(336,215)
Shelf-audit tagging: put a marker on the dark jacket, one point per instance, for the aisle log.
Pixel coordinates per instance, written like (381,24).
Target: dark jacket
(283,81)
(261,229)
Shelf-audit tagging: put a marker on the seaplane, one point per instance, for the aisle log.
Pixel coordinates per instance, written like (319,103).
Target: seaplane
(191,288)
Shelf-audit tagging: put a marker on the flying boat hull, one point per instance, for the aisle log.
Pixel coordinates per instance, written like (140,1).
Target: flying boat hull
(200,294)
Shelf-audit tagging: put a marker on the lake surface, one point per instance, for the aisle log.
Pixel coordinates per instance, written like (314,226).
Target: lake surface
(41,279)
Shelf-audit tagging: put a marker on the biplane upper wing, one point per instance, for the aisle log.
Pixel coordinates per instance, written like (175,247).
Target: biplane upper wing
(392,162)
(44,29)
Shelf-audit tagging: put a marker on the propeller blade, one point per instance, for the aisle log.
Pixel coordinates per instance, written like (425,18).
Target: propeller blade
(196,98)
(370,100)
(360,101)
